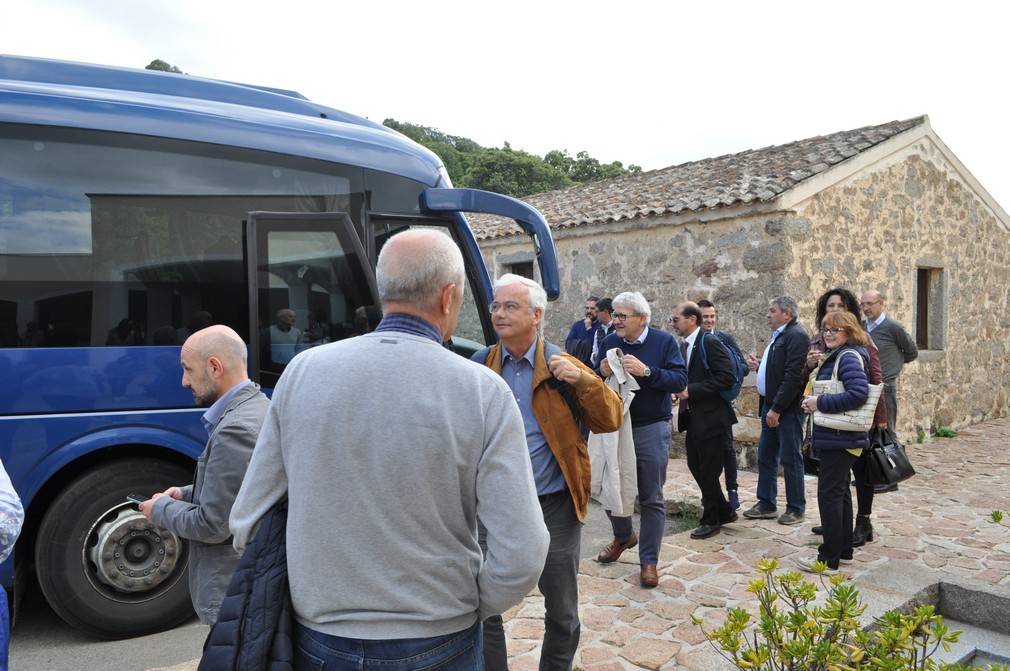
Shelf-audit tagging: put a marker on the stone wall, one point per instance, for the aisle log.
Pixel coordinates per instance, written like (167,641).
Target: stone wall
(875,230)
(871,231)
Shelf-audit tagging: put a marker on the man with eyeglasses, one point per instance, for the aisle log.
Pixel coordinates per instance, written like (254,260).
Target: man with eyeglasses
(705,415)
(896,349)
(653,358)
(555,392)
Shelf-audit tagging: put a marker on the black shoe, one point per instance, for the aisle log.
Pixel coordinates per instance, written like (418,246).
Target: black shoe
(818,531)
(883,489)
(705,531)
(863,533)
(729,519)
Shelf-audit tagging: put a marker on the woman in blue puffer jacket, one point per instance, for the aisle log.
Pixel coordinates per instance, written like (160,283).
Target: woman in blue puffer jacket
(846,342)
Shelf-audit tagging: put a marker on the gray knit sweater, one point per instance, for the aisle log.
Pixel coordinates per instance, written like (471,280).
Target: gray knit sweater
(895,346)
(388,447)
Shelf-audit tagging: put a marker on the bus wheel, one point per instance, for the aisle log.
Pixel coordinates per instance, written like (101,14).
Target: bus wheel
(102,566)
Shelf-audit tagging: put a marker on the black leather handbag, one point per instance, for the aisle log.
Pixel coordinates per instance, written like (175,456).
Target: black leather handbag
(886,461)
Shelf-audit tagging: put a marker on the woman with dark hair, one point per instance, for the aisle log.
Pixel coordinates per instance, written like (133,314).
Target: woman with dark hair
(836,300)
(845,357)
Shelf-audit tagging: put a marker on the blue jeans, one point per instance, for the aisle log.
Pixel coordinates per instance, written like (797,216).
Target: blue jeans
(652,455)
(559,583)
(460,651)
(782,445)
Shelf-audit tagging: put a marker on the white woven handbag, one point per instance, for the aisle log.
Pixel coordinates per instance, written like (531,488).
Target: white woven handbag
(860,419)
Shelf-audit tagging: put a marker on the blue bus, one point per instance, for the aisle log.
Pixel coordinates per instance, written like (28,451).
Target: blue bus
(136,207)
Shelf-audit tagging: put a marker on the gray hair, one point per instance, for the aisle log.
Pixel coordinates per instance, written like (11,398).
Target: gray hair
(636,301)
(415,276)
(536,296)
(787,304)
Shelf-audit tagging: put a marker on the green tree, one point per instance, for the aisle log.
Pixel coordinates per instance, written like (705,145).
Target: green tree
(456,152)
(584,168)
(513,173)
(158,64)
(516,173)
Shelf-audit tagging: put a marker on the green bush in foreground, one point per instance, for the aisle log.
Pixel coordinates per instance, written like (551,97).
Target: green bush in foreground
(795,633)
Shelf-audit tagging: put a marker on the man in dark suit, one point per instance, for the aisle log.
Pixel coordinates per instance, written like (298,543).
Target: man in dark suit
(780,389)
(705,415)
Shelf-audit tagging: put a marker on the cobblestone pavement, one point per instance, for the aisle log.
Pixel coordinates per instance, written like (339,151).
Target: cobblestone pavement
(938,520)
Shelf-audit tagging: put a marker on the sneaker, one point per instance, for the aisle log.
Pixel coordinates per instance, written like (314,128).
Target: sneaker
(760,512)
(808,564)
(734,500)
(790,518)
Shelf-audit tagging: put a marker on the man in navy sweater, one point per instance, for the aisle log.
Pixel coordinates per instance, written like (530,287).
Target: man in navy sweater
(654,359)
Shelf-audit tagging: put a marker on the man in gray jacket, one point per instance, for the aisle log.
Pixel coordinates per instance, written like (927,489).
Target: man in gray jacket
(388,447)
(214,369)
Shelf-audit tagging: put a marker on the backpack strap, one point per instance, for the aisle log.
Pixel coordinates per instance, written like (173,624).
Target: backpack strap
(550,349)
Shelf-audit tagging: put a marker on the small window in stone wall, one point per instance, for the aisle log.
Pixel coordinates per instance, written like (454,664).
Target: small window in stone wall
(931,309)
(523,269)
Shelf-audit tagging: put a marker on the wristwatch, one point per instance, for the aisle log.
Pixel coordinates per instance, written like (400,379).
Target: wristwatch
(647,372)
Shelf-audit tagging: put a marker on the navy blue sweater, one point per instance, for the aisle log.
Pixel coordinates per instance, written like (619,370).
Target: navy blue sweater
(854,378)
(668,374)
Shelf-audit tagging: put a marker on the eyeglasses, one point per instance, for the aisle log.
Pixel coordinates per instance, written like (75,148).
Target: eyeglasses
(510,307)
(674,320)
(831,329)
(869,304)
(619,317)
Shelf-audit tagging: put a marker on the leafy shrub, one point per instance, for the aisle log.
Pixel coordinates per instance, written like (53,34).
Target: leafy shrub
(795,633)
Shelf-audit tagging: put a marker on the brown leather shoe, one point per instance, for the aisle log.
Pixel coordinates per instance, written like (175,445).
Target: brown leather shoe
(649,576)
(613,551)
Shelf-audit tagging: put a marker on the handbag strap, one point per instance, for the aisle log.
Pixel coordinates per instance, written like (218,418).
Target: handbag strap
(838,358)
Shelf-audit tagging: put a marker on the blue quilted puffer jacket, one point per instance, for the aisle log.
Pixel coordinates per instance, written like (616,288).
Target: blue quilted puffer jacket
(853,376)
(253,631)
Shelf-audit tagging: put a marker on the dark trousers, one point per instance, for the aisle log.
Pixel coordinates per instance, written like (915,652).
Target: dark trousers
(864,490)
(729,461)
(834,501)
(705,456)
(559,583)
(891,405)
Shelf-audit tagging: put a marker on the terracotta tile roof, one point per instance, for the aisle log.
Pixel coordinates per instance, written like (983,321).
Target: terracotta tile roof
(755,175)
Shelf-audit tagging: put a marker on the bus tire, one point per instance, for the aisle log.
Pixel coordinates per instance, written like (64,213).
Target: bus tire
(102,566)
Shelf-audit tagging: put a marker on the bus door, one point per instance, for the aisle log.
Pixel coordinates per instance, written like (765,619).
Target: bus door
(310,283)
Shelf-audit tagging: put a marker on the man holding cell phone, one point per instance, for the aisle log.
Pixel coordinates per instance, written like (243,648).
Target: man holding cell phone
(214,370)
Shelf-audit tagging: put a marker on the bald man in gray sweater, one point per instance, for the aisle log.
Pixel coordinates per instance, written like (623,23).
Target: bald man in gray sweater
(388,447)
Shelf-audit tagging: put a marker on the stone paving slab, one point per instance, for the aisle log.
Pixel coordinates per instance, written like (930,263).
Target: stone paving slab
(936,524)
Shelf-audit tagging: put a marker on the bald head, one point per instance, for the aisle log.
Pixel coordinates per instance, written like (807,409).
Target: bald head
(213,361)
(414,272)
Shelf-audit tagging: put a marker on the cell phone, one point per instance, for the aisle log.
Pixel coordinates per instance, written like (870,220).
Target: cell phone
(137,498)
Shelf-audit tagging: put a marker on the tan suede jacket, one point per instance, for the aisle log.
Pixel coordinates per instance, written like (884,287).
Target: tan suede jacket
(602,412)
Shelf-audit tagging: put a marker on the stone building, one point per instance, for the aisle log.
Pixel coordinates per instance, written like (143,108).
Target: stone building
(887,207)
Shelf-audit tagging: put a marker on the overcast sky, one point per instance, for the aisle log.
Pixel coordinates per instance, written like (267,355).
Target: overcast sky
(647,83)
